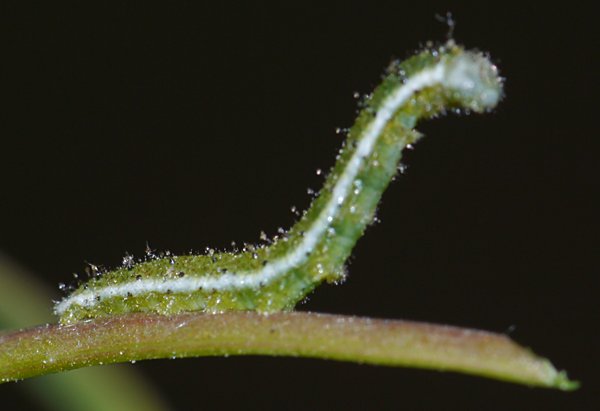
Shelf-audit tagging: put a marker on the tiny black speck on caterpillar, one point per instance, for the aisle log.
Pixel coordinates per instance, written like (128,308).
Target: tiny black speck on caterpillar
(275,277)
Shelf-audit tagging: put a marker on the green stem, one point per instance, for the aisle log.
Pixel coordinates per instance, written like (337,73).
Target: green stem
(52,348)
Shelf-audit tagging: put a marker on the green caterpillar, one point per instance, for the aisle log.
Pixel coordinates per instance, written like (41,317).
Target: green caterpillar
(275,277)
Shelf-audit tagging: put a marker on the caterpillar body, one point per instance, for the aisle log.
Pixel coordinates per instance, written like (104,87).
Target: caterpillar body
(275,277)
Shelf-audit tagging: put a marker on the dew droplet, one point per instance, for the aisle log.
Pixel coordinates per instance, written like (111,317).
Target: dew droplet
(127,261)
(92,270)
(357,186)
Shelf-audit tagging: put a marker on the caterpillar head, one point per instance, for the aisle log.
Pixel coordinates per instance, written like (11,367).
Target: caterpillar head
(473,81)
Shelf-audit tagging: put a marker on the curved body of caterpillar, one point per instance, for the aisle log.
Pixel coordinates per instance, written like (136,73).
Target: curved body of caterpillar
(274,278)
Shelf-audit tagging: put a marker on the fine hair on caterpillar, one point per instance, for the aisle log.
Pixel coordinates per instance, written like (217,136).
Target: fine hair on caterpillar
(275,277)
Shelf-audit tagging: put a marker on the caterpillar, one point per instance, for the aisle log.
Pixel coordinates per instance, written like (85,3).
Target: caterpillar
(275,277)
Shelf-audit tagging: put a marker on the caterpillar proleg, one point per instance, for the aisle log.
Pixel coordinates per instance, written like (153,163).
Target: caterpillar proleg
(275,277)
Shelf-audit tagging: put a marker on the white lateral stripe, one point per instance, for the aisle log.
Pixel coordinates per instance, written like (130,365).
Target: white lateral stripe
(298,255)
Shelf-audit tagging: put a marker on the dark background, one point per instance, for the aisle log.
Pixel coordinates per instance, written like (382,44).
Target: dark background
(188,126)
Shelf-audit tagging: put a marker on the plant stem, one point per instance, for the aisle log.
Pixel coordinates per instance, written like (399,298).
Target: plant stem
(52,348)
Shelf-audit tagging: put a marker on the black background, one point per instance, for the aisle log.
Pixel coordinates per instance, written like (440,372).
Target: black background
(189,125)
